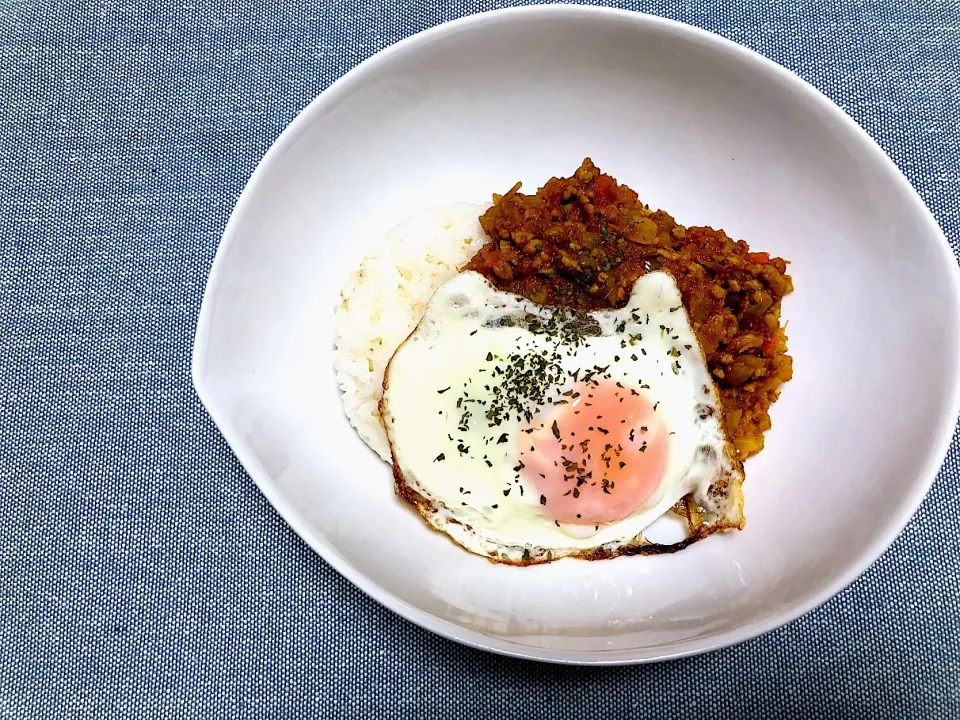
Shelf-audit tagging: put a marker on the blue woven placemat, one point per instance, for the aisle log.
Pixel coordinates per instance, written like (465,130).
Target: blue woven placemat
(143,575)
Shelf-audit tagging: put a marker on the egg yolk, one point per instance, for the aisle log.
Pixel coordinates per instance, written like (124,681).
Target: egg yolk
(596,458)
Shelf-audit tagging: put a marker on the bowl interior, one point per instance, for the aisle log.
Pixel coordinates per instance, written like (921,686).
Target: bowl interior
(706,130)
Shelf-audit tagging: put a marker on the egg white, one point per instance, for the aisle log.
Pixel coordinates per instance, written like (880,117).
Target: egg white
(468,321)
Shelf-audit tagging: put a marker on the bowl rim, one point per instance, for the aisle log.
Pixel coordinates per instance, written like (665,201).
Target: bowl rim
(446,628)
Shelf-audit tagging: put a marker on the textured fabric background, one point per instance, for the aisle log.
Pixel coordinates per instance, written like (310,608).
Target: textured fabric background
(141,572)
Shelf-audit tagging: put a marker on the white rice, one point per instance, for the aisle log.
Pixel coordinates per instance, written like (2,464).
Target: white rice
(383,300)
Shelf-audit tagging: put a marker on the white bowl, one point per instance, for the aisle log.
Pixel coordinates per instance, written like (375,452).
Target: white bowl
(711,132)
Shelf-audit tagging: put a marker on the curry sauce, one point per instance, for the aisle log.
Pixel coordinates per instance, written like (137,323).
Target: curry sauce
(581,242)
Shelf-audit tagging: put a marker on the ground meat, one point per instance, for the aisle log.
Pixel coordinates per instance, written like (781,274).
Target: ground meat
(582,241)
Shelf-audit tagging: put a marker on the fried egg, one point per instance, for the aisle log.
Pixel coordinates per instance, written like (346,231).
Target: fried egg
(529,433)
